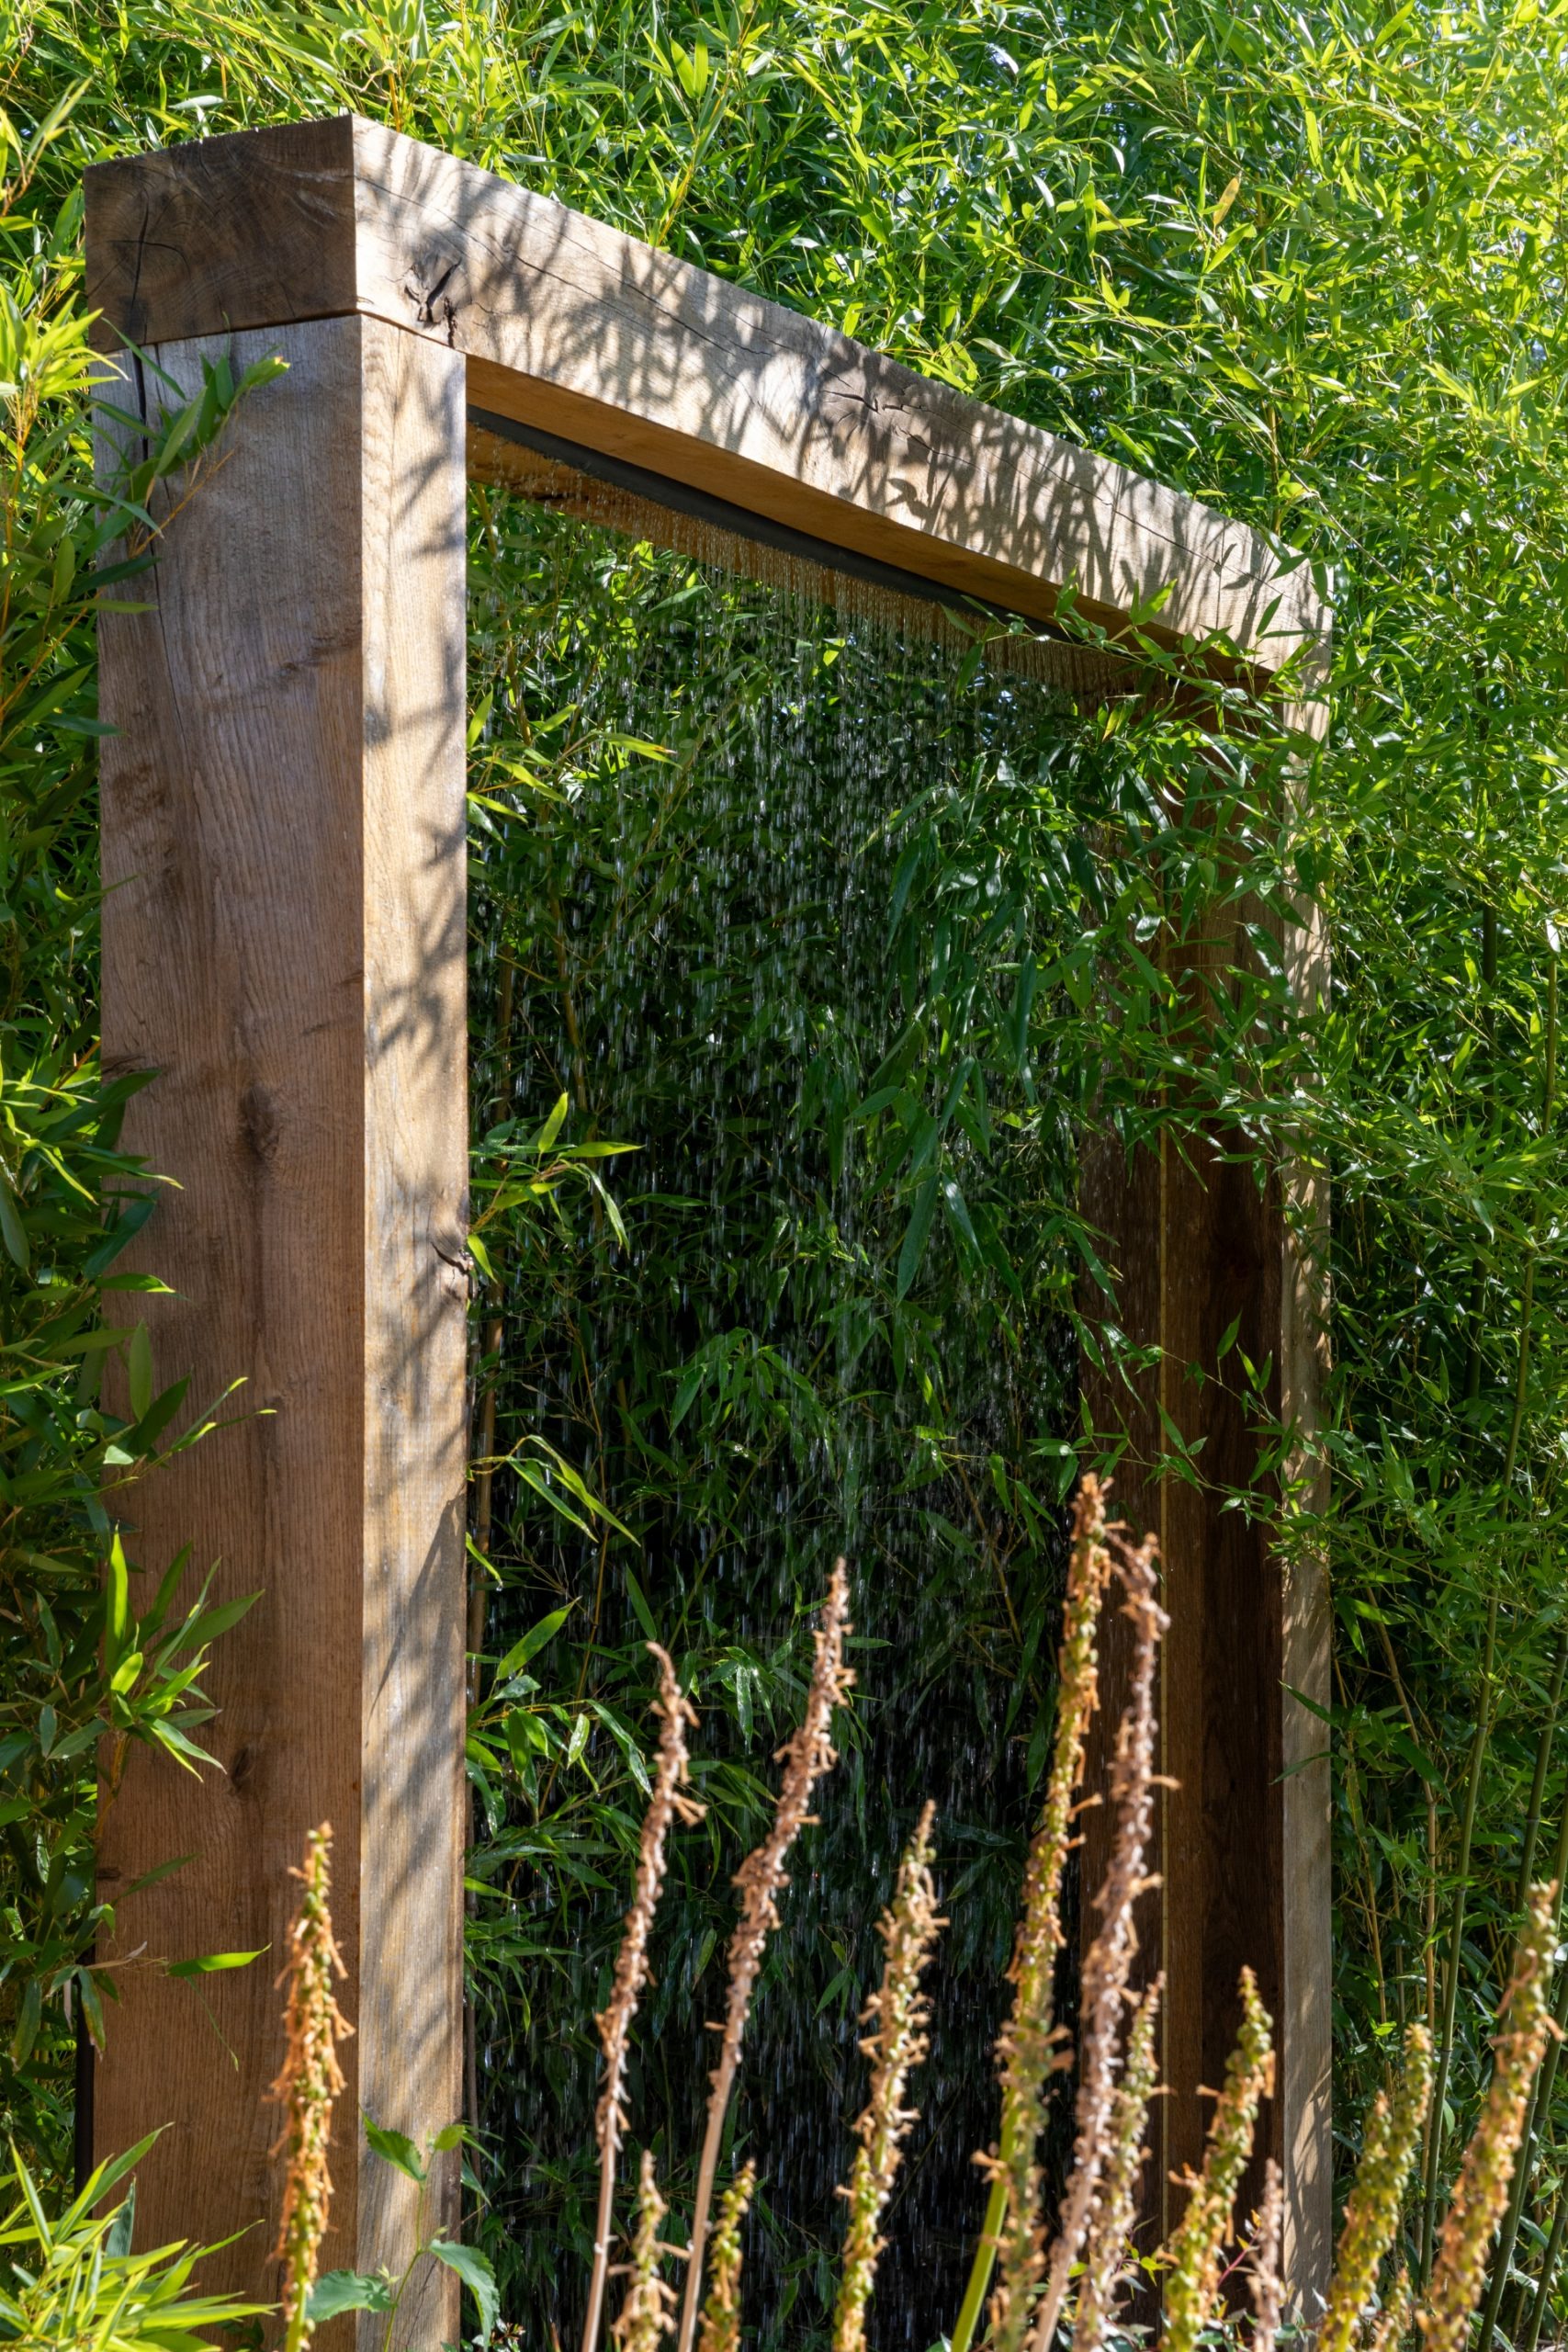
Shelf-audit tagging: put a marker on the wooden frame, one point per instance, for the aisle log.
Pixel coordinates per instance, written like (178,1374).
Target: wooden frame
(283,944)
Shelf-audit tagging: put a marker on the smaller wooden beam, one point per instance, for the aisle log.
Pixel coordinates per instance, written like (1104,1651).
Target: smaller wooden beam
(284,847)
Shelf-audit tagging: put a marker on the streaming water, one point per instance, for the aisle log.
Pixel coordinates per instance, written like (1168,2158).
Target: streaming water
(767,905)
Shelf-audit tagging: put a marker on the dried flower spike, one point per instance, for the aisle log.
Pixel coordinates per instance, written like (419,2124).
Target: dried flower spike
(761,1879)
(1389,2143)
(1116,2200)
(1109,1961)
(667,1803)
(1193,2282)
(1268,2275)
(1481,2190)
(1391,2324)
(901,2013)
(1027,2047)
(721,2311)
(648,2311)
(308,2082)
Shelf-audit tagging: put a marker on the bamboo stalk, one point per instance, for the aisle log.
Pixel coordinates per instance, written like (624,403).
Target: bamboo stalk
(484,1485)
(1543,1753)
(477,1612)
(1488,1661)
(1554,2255)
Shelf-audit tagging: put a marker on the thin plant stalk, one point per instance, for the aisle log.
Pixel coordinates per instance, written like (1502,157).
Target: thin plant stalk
(1482,1741)
(761,1879)
(1481,2190)
(900,2013)
(1552,2256)
(1029,2047)
(1109,1961)
(1116,2202)
(1540,2114)
(668,1802)
(1541,2097)
(479,1569)
(1545,1749)
(721,2309)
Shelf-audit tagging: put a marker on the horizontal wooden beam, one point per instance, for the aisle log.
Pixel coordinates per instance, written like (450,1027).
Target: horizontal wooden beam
(568,326)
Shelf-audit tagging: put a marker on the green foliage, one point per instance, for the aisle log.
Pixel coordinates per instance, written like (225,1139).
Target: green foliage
(74,2283)
(89,1657)
(382,2292)
(806,906)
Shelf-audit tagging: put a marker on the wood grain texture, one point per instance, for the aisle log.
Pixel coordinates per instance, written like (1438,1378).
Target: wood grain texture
(1196,1244)
(283,944)
(569,325)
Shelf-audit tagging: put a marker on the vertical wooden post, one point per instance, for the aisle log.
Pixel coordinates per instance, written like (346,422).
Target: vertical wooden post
(283,947)
(1243,1840)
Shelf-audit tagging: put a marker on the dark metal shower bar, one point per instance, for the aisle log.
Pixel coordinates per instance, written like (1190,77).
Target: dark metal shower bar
(744,523)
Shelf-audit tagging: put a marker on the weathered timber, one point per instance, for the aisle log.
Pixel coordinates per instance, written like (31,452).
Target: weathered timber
(570,326)
(1197,1245)
(284,946)
(275,778)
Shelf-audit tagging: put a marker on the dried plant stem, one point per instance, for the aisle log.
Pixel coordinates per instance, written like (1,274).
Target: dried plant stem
(1199,2240)
(1481,2190)
(1109,1961)
(1389,2145)
(647,2311)
(1028,2048)
(308,2082)
(1116,2202)
(761,1879)
(667,1803)
(721,2310)
(908,1930)
(1267,2277)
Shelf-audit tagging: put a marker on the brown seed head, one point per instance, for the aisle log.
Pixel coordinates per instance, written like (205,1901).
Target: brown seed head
(1481,2190)
(901,2013)
(721,2310)
(308,2082)
(1193,2281)
(1389,2143)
